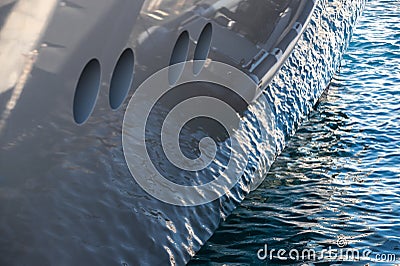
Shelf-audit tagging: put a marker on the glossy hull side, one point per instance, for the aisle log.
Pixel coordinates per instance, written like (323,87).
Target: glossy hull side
(66,193)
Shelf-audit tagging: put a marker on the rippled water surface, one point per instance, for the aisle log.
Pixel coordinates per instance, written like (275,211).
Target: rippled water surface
(338,177)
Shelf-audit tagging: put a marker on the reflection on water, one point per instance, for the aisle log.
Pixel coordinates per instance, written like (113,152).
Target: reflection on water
(339,174)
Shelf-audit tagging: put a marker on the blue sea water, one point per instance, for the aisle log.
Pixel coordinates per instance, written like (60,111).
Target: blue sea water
(338,176)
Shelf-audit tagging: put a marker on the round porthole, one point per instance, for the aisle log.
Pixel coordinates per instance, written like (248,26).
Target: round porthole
(121,80)
(179,55)
(202,48)
(86,91)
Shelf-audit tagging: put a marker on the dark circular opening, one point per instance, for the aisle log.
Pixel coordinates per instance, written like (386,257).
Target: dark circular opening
(179,55)
(86,91)
(122,78)
(202,48)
